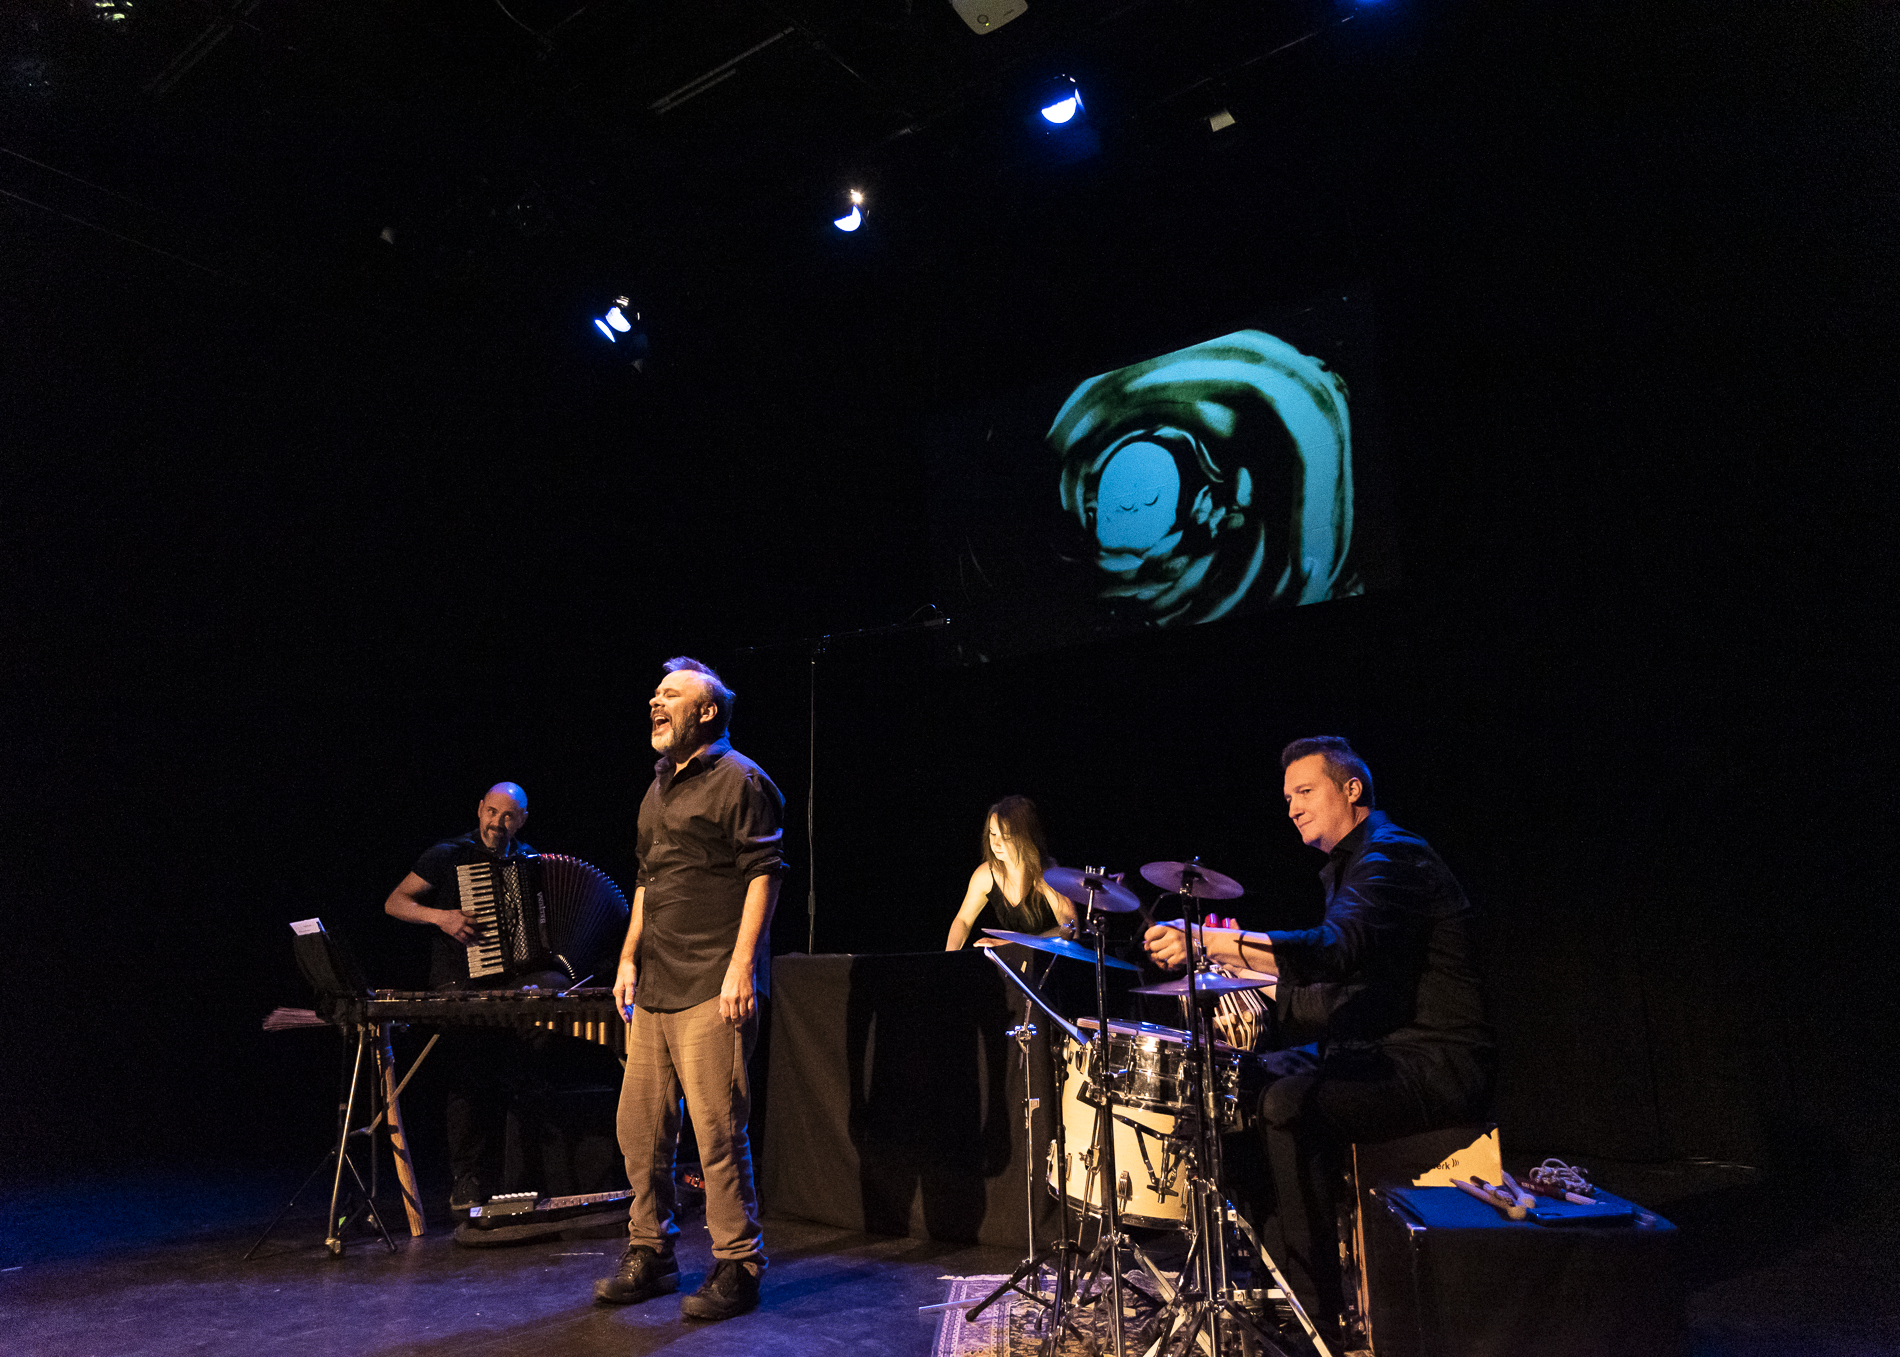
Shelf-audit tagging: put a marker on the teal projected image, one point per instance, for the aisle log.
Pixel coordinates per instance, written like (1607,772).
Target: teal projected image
(1217,479)
(1210,475)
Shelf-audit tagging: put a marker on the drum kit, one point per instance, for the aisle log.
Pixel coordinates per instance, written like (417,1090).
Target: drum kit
(1144,1108)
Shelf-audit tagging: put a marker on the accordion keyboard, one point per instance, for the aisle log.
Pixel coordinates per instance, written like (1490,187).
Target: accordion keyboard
(477,885)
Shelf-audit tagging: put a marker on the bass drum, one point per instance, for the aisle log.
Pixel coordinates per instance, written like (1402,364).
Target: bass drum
(1150,1159)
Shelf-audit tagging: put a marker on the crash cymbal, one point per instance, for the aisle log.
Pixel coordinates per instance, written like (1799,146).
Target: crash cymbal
(1110,895)
(1210,985)
(1059,946)
(1190,878)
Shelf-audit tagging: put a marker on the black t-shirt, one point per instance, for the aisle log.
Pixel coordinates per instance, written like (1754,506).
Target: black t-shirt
(448,959)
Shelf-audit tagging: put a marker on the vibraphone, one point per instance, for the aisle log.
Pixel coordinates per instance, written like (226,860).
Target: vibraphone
(586,1014)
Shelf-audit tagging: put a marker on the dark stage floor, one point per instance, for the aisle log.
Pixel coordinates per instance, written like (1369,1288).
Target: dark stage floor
(150,1264)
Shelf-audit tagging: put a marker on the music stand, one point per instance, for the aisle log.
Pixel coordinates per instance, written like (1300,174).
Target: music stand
(1060,1247)
(340,985)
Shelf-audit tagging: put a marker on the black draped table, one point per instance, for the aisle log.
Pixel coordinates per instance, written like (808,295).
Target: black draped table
(895,1100)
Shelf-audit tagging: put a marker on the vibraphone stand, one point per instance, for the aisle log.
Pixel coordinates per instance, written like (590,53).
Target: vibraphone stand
(339,1154)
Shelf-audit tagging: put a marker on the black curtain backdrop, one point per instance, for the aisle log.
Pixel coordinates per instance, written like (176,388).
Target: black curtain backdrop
(293,578)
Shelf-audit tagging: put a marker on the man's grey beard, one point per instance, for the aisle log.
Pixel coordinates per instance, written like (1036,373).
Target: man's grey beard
(679,737)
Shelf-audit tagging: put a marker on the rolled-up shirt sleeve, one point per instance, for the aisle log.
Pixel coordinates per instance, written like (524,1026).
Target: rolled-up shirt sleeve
(758,830)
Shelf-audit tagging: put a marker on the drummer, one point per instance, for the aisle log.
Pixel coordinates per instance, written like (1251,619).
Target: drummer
(1387,989)
(1009,881)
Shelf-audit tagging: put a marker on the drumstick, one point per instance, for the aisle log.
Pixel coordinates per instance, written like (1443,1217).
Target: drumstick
(1471,1191)
(1524,1198)
(1484,1192)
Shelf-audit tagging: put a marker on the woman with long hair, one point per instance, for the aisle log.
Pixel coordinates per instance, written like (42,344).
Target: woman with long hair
(1009,879)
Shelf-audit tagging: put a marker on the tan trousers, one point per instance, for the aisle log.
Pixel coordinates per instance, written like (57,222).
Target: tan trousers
(695,1053)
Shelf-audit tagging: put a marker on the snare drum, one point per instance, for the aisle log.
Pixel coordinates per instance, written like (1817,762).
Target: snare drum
(1149,1067)
(1150,1158)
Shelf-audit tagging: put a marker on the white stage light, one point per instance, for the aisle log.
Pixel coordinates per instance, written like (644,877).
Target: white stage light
(1062,110)
(853,219)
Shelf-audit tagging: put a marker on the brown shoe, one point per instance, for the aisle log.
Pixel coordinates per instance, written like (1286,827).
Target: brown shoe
(731,1289)
(643,1275)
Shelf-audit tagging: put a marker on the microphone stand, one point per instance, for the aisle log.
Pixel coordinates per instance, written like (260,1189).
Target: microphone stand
(815,646)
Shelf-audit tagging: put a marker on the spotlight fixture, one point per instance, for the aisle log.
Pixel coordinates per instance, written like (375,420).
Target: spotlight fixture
(615,322)
(986,16)
(1061,105)
(853,219)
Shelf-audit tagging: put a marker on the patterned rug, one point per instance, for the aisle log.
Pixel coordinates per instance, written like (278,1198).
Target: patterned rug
(1014,1325)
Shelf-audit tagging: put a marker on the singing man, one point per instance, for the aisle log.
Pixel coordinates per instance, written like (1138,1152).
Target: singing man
(695,961)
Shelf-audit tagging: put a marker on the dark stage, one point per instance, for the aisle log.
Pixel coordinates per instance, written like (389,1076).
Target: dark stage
(324,506)
(149,1265)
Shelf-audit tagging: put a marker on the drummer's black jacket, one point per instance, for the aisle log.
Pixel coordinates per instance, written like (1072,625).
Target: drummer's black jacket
(1394,964)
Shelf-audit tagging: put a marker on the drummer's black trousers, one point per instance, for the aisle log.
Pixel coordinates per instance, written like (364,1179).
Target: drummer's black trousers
(1309,1111)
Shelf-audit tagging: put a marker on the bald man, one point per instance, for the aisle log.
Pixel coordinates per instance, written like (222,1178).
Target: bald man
(499,817)
(485,1068)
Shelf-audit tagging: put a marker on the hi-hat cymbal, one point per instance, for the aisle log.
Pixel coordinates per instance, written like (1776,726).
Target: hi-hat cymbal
(1210,985)
(1110,895)
(1190,878)
(1060,946)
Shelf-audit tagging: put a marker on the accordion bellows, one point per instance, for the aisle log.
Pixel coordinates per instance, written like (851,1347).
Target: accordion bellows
(538,912)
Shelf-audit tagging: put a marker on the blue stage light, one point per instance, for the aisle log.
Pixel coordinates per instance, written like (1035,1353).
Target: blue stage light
(853,219)
(616,319)
(1062,110)
(601,325)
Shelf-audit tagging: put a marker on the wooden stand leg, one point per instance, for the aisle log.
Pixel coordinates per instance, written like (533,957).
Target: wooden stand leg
(399,1142)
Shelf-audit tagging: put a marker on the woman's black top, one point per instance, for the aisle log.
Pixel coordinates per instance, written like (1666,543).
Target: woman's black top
(1033,915)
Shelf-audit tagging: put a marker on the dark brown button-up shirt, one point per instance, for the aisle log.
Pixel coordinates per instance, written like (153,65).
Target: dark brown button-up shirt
(705,831)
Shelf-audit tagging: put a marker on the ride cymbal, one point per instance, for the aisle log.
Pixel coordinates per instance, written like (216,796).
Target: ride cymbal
(1191,878)
(1110,895)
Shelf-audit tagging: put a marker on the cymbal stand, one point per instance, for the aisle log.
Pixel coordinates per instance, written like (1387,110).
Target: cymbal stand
(1205,1301)
(1059,1248)
(1110,1243)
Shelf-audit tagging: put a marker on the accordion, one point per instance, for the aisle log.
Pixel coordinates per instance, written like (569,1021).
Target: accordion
(538,912)
(503,899)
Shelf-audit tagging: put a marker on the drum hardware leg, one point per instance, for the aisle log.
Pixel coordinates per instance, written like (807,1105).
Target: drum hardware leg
(1205,1301)
(1107,1255)
(1031,1268)
(1112,1242)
